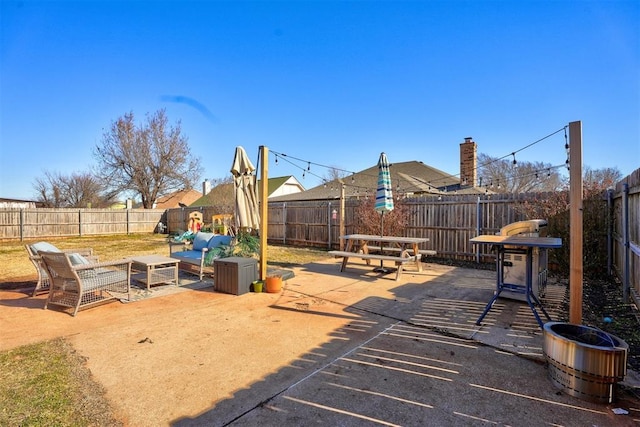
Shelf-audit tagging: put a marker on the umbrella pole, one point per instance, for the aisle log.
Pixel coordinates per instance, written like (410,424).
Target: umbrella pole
(382,269)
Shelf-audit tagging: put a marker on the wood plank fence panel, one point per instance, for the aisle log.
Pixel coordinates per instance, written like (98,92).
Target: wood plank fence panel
(40,223)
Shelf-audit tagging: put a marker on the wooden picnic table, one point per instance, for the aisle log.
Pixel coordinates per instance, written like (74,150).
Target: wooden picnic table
(404,249)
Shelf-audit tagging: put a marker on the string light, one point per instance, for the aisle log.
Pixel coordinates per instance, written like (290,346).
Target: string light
(430,185)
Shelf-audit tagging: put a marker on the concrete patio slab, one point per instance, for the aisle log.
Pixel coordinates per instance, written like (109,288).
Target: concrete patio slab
(332,348)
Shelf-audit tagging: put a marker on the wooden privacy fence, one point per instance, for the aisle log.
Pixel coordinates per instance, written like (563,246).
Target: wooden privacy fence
(623,241)
(40,223)
(447,221)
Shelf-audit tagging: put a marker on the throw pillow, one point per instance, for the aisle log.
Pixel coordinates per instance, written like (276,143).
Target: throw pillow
(201,241)
(43,247)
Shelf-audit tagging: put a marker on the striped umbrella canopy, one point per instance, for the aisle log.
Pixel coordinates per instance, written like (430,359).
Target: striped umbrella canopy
(384,195)
(245,191)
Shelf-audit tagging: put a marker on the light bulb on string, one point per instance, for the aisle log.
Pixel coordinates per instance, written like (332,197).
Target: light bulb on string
(308,166)
(515,162)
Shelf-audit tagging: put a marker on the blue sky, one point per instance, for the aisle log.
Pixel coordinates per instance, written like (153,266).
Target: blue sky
(332,83)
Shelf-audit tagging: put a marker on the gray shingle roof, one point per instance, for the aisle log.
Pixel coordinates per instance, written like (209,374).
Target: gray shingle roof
(411,178)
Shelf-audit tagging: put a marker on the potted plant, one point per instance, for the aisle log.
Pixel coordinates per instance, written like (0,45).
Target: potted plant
(257,286)
(273,284)
(244,245)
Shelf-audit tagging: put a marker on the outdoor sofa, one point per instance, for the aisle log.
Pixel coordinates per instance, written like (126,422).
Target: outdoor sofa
(192,256)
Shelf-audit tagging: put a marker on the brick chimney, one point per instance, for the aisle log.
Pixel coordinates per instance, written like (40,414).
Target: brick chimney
(468,162)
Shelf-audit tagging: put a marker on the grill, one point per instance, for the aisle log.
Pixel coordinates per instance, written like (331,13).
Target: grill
(515,265)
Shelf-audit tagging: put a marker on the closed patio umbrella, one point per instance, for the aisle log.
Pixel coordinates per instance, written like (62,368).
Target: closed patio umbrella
(384,196)
(245,191)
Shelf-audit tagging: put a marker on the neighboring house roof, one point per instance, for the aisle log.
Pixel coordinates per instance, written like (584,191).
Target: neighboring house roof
(19,203)
(174,200)
(282,185)
(411,178)
(278,186)
(217,193)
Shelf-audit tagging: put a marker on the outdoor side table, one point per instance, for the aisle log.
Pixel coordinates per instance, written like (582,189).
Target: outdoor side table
(523,245)
(155,269)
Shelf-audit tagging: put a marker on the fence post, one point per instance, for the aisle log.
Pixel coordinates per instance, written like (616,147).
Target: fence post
(329,217)
(610,232)
(478,227)
(625,243)
(80,222)
(128,210)
(284,223)
(21,225)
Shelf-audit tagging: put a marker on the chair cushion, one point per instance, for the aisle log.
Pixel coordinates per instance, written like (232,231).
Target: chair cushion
(218,240)
(77,259)
(99,279)
(43,247)
(201,240)
(192,257)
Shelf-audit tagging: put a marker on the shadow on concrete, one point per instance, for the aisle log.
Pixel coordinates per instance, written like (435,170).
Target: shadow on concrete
(411,355)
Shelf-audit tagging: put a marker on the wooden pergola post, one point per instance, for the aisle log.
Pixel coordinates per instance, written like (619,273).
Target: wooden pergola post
(264,208)
(575,223)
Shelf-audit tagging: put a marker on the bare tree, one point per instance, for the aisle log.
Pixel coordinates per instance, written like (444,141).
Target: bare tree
(600,179)
(150,160)
(505,176)
(333,173)
(78,190)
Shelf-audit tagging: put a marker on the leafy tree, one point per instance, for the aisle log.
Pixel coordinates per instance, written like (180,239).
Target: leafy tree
(150,159)
(78,190)
(503,176)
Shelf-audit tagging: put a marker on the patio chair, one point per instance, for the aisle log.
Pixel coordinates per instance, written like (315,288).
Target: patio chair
(78,283)
(43,278)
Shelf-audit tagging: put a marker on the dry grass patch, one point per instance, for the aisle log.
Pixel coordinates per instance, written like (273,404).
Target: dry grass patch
(47,384)
(17,269)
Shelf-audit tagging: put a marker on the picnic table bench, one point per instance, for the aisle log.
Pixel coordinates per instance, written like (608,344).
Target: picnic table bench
(357,246)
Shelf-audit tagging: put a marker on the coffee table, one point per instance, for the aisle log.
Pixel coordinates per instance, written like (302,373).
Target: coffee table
(158,269)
